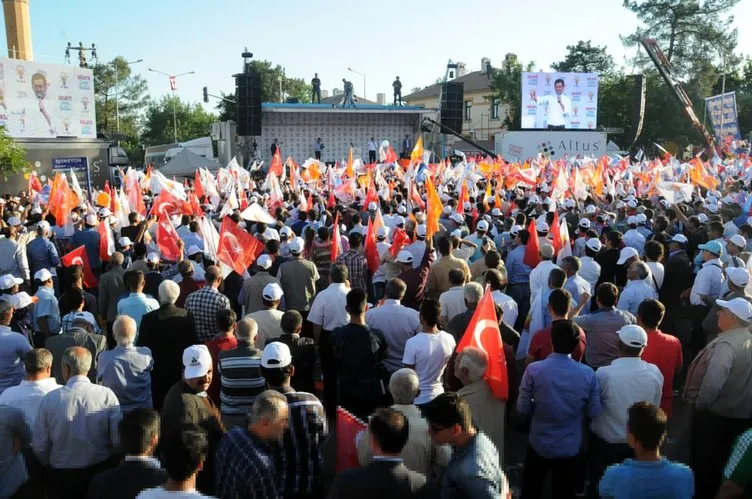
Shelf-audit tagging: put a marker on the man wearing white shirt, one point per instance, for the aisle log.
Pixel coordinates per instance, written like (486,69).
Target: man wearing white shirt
(372,148)
(576,285)
(709,280)
(498,284)
(637,289)
(625,382)
(632,238)
(539,275)
(28,395)
(653,257)
(590,270)
(559,105)
(452,301)
(398,323)
(268,319)
(379,277)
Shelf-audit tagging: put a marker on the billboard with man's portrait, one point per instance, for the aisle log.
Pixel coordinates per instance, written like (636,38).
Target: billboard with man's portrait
(559,101)
(39,100)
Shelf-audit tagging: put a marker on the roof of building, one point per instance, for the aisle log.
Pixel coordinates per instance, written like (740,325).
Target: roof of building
(336,99)
(473,82)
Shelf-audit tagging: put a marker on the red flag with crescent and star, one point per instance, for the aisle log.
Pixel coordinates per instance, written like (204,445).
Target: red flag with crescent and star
(483,333)
(237,248)
(78,257)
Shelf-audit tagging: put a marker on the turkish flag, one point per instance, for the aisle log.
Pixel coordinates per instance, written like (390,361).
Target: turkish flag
(348,427)
(167,238)
(197,187)
(336,250)
(483,333)
(399,240)
(464,197)
(532,248)
(106,241)
(276,167)
(237,248)
(78,257)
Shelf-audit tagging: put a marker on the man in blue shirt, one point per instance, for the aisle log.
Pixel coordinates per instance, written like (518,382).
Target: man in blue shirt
(557,393)
(42,253)
(89,238)
(519,277)
(648,474)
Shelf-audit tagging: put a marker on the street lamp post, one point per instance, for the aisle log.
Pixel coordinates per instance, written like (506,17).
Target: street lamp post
(365,93)
(173,86)
(117,93)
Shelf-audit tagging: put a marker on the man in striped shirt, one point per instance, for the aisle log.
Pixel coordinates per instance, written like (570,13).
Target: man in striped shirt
(300,473)
(240,375)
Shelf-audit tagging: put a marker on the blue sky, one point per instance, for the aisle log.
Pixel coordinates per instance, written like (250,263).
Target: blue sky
(391,37)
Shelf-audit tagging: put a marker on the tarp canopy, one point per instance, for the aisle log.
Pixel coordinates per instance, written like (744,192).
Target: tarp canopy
(186,163)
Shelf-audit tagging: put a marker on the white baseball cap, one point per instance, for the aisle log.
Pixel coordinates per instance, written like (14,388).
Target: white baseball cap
(44,225)
(541,226)
(420,230)
(467,206)
(534,199)
(36,210)
(456,233)
(264,262)
(590,210)
(276,354)
(632,220)
(633,336)
(152,257)
(626,253)
(383,232)
(632,203)
(14,221)
(738,240)
(584,223)
(594,244)
(401,209)
(296,245)
(197,361)
(641,218)
(405,257)
(42,275)
(738,276)
(680,238)
(21,300)
(270,233)
(482,226)
(703,218)
(85,316)
(457,217)
(272,292)
(496,212)
(7,281)
(285,231)
(193,250)
(398,220)
(90,219)
(105,212)
(739,307)
(515,230)
(125,241)
(447,210)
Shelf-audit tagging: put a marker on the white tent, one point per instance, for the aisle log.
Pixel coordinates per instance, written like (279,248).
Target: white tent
(186,163)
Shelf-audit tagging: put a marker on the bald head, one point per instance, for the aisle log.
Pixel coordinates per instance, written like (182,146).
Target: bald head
(247,330)
(116,260)
(213,275)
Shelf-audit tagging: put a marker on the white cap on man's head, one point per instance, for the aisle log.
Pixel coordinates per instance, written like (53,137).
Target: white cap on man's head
(272,292)
(401,209)
(193,250)
(738,275)
(105,212)
(457,218)
(594,244)
(421,230)
(740,307)
(264,262)
(382,232)
(456,233)
(21,300)
(91,220)
(44,225)
(496,212)
(679,238)
(14,221)
(738,240)
(447,210)
(625,254)
(125,241)
(590,209)
(703,218)
(399,220)
(515,229)
(296,245)
(43,275)
(7,281)
(541,226)
(584,223)
(276,354)
(285,231)
(404,257)
(152,258)
(632,203)
(372,206)
(633,336)
(482,226)
(641,218)
(197,361)
(632,220)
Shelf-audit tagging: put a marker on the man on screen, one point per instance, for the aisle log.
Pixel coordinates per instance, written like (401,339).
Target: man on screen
(40,85)
(559,105)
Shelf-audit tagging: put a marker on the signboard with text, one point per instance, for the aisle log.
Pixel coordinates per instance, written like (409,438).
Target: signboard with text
(721,111)
(563,100)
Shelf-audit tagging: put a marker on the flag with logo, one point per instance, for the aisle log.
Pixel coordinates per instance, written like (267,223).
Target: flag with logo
(400,239)
(167,238)
(348,428)
(237,248)
(79,257)
(483,333)
(106,240)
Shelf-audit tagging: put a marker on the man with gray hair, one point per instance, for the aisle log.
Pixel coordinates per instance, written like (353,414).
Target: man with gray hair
(489,412)
(167,332)
(76,428)
(245,465)
(420,453)
(126,369)
(240,379)
(637,289)
(28,395)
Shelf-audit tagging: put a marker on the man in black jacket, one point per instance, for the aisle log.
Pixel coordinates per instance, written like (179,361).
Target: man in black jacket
(139,434)
(386,475)
(678,278)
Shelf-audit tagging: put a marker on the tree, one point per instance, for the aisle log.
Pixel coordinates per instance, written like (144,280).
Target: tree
(228,111)
(507,87)
(132,99)
(271,76)
(687,31)
(585,58)
(192,120)
(12,157)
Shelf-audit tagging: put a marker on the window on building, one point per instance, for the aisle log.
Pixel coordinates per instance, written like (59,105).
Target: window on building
(495,107)
(468,110)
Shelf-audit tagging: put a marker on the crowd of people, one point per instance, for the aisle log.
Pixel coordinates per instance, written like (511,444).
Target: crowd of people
(131,372)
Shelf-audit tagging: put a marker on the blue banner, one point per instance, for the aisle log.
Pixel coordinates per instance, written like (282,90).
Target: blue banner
(70,163)
(721,111)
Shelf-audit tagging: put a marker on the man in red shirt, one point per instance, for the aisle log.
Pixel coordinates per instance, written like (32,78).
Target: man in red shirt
(663,350)
(224,340)
(559,304)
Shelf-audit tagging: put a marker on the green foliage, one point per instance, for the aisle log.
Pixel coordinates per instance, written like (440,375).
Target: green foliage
(12,157)
(296,88)
(193,121)
(228,111)
(585,58)
(507,87)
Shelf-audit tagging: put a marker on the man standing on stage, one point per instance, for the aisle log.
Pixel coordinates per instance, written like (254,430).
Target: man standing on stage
(348,90)
(397,86)
(559,106)
(316,92)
